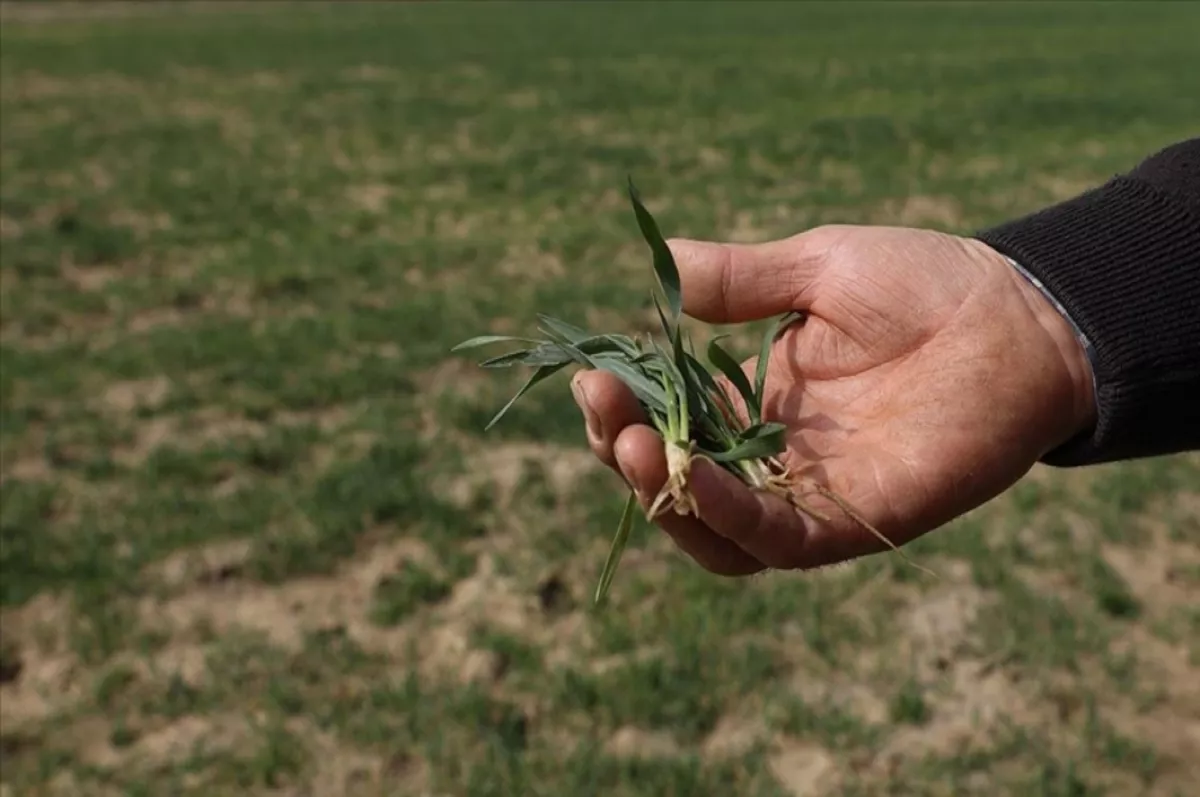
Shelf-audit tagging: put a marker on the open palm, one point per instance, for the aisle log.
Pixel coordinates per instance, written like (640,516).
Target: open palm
(926,377)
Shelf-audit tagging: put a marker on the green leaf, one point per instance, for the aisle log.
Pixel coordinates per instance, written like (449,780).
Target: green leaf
(546,354)
(675,388)
(664,262)
(647,391)
(692,394)
(767,429)
(570,332)
(591,344)
(670,387)
(677,344)
(553,353)
(760,375)
(537,376)
(578,355)
(766,444)
(521,357)
(714,393)
(698,379)
(484,340)
(734,373)
(615,550)
(668,330)
(670,370)
(627,344)
(608,344)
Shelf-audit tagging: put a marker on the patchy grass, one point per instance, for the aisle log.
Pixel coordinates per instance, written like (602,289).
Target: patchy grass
(253,540)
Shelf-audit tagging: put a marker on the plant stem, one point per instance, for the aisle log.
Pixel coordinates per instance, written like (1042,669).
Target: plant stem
(756,472)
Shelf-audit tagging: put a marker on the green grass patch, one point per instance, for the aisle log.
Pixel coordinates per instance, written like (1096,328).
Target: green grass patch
(236,247)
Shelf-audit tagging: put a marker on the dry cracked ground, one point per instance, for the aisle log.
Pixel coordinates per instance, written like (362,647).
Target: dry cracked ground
(256,541)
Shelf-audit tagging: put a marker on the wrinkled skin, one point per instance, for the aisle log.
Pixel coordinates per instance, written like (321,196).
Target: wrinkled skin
(927,378)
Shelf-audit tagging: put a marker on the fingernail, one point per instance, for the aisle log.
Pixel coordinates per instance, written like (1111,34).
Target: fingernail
(589,415)
(632,479)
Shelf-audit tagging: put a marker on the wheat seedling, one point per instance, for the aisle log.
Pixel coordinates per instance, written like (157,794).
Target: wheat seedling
(680,395)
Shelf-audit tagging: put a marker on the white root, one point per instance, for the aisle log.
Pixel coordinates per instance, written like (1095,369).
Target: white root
(786,484)
(775,478)
(675,493)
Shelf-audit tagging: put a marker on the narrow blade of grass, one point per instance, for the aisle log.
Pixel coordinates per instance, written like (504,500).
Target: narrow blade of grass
(484,340)
(704,378)
(734,373)
(539,375)
(546,354)
(569,331)
(608,344)
(664,262)
(646,390)
(667,328)
(691,389)
(756,441)
(671,371)
(767,444)
(620,540)
(760,374)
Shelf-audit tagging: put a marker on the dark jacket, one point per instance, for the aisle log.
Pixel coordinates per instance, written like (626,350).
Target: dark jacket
(1123,261)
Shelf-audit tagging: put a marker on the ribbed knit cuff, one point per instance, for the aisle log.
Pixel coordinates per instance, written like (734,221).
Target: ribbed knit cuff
(1123,261)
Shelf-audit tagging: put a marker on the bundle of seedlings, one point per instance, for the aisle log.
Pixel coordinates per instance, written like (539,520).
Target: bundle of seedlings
(687,401)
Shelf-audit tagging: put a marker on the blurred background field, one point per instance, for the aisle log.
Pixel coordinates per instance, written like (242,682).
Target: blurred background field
(255,542)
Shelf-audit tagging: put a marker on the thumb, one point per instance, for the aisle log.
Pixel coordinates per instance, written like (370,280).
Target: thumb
(727,283)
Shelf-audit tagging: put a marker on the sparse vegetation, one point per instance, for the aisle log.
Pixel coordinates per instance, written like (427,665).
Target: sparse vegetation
(253,539)
(399,594)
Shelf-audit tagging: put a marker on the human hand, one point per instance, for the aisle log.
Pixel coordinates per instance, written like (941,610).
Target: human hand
(927,377)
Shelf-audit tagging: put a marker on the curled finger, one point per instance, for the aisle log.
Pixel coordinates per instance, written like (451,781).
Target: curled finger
(639,454)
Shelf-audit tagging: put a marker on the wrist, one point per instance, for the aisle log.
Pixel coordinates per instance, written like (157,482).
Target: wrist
(1056,360)
(1072,345)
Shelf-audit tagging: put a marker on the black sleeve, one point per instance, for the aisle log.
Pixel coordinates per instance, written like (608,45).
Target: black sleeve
(1123,260)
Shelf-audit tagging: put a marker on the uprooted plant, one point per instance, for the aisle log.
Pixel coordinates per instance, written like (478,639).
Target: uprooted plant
(680,395)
